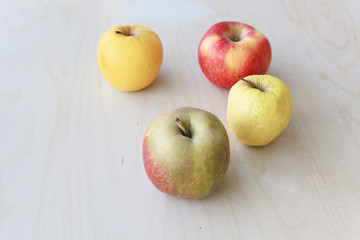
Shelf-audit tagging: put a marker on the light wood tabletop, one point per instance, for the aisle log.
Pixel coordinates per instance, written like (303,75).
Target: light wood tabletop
(71,164)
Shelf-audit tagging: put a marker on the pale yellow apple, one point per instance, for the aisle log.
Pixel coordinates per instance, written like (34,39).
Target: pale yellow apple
(259,109)
(130,56)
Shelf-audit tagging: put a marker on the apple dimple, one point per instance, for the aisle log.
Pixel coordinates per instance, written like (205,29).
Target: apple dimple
(185,132)
(125,31)
(235,38)
(234,35)
(252,84)
(236,32)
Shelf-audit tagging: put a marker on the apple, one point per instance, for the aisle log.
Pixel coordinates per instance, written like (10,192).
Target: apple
(259,109)
(186,152)
(130,56)
(232,49)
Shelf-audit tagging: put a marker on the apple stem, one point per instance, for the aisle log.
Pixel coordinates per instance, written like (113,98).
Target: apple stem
(249,82)
(184,131)
(120,32)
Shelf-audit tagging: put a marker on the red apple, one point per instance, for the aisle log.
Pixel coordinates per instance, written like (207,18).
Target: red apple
(230,50)
(186,152)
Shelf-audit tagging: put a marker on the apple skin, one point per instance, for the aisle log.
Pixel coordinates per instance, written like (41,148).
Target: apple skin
(259,109)
(232,49)
(130,56)
(181,166)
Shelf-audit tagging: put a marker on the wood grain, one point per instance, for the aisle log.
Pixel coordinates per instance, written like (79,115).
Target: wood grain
(70,144)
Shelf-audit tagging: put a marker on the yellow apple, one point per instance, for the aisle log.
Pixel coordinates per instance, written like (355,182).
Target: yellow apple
(259,109)
(130,56)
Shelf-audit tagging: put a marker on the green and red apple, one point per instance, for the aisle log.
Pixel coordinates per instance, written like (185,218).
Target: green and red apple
(232,49)
(186,152)
(259,109)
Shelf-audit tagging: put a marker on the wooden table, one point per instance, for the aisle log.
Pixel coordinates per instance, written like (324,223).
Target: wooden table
(70,144)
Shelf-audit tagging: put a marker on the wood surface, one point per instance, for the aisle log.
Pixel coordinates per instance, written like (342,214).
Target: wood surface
(70,144)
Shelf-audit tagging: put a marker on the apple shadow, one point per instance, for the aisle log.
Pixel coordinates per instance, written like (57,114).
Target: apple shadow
(160,83)
(249,164)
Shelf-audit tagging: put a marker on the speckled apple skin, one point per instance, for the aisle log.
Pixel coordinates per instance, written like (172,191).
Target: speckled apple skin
(184,167)
(257,116)
(223,60)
